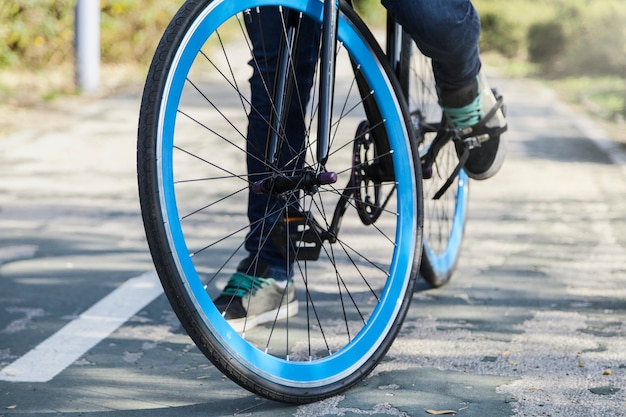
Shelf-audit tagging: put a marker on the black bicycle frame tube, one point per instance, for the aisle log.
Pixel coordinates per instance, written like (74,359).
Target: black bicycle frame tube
(284,79)
(327,79)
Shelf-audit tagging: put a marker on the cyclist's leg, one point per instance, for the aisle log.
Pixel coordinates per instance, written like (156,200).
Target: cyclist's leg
(448,32)
(265,30)
(265,259)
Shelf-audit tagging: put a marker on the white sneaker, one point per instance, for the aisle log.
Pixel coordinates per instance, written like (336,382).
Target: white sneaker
(249,301)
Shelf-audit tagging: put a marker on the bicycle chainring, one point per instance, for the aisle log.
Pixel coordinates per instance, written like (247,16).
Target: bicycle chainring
(367,192)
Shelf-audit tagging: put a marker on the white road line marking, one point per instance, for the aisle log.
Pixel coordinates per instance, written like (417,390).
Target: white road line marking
(14,253)
(60,350)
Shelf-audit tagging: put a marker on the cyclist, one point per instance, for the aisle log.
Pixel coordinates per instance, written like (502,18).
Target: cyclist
(446,31)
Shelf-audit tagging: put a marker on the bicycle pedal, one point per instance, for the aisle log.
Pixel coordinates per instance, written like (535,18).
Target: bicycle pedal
(473,142)
(299,237)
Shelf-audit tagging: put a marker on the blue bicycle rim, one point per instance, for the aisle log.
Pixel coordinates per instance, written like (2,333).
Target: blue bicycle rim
(352,356)
(443,262)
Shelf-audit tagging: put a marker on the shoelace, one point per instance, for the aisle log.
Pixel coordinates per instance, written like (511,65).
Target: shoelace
(240,284)
(467,115)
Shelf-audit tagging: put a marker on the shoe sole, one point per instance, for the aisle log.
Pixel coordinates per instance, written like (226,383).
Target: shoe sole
(495,165)
(247,323)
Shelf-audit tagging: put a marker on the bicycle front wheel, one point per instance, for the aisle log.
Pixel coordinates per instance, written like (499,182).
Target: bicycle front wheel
(355,270)
(444,216)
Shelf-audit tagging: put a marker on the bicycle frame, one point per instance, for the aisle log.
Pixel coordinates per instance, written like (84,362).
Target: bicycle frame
(397,44)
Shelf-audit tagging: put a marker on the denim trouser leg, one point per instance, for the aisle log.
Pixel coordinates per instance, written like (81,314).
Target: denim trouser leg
(445,30)
(264,210)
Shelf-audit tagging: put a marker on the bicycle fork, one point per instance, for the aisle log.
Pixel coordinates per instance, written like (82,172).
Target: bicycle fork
(308,179)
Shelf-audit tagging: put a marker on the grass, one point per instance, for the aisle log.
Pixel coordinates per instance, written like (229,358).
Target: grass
(604,96)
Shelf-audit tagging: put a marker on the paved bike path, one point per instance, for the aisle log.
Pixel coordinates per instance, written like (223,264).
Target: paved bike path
(532,323)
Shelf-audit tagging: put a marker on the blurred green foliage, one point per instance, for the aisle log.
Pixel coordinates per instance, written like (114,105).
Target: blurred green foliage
(563,37)
(35,32)
(39,33)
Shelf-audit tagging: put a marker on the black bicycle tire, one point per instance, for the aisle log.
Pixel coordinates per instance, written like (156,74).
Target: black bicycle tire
(152,217)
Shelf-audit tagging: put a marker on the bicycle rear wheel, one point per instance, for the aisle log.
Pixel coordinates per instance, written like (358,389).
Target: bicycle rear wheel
(194,185)
(444,217)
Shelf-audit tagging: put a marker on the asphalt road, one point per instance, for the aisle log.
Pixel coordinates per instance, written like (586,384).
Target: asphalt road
(533,323)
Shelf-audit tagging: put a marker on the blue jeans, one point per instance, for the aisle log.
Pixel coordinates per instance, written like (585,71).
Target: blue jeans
(445,30)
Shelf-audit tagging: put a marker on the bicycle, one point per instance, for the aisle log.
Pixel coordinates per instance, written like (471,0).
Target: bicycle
(363,154)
